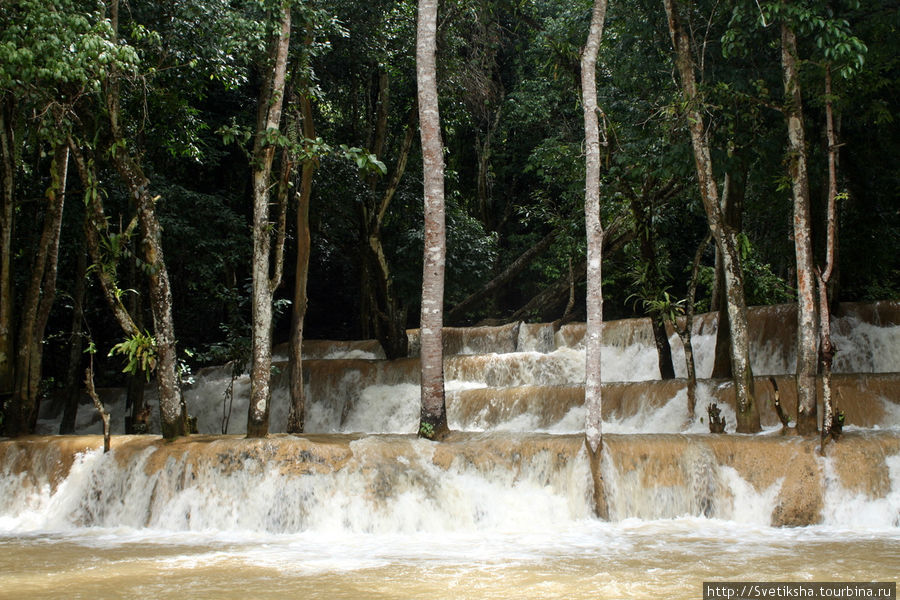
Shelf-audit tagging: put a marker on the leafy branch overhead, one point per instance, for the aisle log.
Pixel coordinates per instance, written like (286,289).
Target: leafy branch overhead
(304,149)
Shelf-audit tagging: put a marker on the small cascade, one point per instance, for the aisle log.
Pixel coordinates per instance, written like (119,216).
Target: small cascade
(376,484)
(761,480)
(471,482)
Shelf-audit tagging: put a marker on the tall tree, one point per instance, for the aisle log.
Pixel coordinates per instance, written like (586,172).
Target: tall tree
(49,61)
(39,296)
(173,413)
(807,317)
(593,425)
(725,237)
(297,414)
(264,284)
(433,420)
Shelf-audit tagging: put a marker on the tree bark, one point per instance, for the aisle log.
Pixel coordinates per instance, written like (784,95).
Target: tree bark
(593,403)
(807,330)
(95,225)
(824,276)
(732,211)
(36,304)
(725,237)
(264,285)
(297,415)
(433,420)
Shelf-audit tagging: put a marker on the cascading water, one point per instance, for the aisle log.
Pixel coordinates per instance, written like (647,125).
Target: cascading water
(503,508)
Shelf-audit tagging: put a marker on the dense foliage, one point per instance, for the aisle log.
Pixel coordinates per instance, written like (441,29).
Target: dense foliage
(513,132)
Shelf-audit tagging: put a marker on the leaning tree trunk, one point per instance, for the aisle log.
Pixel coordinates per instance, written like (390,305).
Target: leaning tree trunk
(36,305)
(593,424)
(433,420)
(173,413)
(264,285)
(807,332)
(725,237)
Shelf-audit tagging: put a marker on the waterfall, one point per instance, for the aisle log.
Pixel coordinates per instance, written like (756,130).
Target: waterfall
(375,484)
(513,392)
(360,507)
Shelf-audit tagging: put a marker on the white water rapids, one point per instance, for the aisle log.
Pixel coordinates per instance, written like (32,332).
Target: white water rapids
(502,511)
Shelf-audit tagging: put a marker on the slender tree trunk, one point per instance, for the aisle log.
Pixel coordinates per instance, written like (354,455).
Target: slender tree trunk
(642,211)
(725,237)
(264,285)
(73,389)
(95,225)
(823,277)
(483,177)
(807,331)
(433,420)
(685,332)
(297,415)
(134,399)
(593,415)
(7,177)
(173,413)
(732,211)
(386,317)
(36,305)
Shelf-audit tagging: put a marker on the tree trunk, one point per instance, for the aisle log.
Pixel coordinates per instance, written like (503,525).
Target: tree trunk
(685,332)
(297,415)
(173,413)
(8,178)
(732,211)
(823,278)
(642,212)
(385,317)
(134,398)
(264,285)
(725,237)
(593,415)
(36,305)
(807,333)
(73,389)
(433,420)
(95,225)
